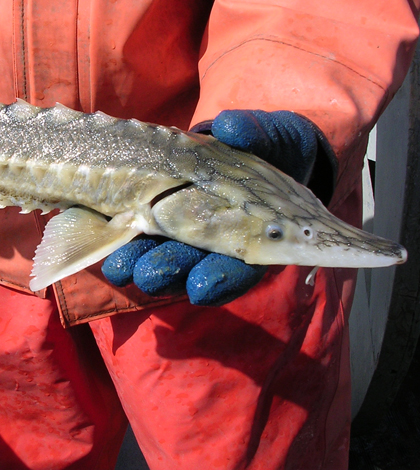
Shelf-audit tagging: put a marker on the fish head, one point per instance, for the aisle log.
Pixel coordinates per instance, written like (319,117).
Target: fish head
(268,224)
(326,241)
(296,228)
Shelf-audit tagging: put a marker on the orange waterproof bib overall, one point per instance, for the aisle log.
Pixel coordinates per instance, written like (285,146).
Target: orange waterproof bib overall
(261,383)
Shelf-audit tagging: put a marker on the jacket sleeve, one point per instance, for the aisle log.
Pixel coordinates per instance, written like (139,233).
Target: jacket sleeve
(337,62)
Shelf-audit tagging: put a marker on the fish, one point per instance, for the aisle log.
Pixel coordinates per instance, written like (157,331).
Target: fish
(113,179)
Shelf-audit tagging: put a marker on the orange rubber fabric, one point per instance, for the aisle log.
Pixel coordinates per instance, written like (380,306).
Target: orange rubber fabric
(57,403)
(262,383)
(337,63)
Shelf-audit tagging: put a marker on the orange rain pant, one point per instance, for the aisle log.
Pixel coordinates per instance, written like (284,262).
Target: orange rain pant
(261,383)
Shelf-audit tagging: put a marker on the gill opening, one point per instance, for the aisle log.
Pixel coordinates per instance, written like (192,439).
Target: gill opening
(169,192)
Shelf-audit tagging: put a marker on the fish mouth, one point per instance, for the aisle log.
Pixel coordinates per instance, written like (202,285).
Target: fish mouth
(403,255)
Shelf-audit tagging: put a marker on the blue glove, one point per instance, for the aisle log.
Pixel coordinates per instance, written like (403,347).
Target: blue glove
(281,138)
(170,267)
(284,139)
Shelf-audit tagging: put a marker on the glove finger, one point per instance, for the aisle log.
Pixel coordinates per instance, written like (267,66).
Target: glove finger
(241,129)
(219,279)
(282,138)
(119,266)
(295,144)
(164,269)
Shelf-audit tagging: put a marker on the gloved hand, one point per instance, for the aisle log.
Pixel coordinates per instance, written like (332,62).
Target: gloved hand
(284,139)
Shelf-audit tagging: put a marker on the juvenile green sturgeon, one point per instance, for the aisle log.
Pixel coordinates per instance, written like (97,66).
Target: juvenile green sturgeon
(115,179)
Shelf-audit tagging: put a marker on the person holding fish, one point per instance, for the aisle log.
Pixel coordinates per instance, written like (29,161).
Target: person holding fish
(215,363)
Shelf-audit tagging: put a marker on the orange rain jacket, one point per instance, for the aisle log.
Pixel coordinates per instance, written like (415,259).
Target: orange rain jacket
(263,382)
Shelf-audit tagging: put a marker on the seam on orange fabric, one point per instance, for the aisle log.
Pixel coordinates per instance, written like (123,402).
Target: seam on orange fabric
(61,304)
(19,50)
(70,320)
(5,282)
(76,53)
(22,39)
(136,308)
(40,225)
(339,318)
(284,43)
(23,288)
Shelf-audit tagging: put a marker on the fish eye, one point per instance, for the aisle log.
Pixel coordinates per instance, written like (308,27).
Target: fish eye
(274,232)
(308,232)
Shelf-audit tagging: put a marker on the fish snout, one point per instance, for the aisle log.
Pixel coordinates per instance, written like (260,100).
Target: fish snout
(347,246)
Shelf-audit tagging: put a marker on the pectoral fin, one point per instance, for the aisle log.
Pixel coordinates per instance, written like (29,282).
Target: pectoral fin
(76,239)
